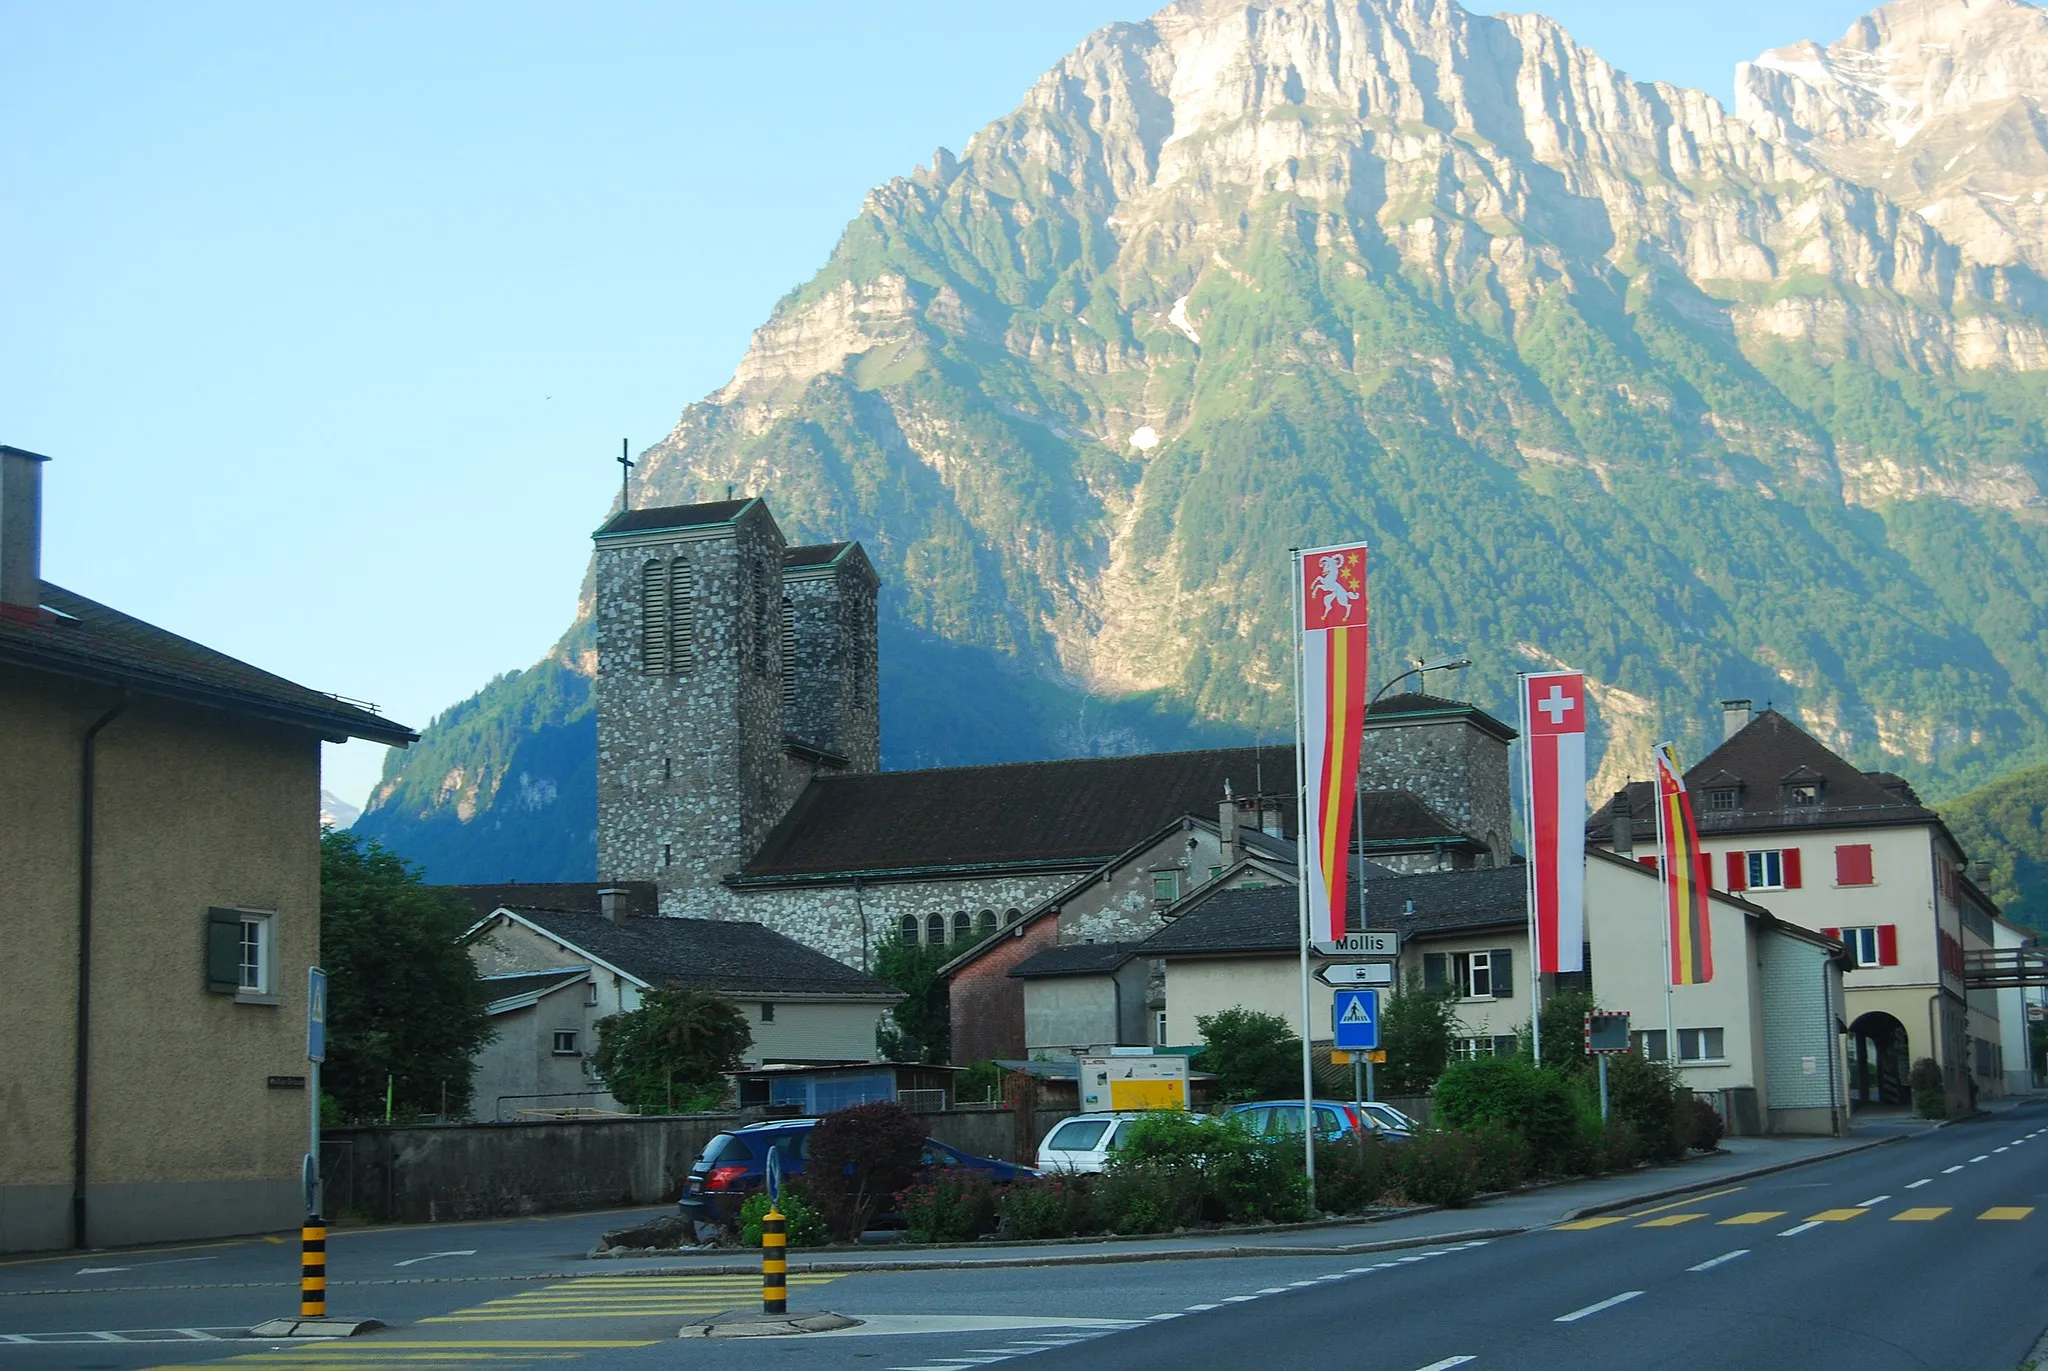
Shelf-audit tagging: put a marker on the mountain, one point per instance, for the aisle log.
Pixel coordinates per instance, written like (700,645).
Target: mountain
(1608,375)
(2005,825)
(336,812)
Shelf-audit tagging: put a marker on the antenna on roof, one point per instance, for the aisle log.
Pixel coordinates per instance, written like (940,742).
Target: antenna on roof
(728,490)
(625,476)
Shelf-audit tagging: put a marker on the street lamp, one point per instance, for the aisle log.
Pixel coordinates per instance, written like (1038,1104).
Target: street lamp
(1421,669)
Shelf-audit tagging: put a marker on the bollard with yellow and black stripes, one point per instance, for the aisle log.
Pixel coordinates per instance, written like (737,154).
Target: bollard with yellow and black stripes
(774,1263)
(313,1268)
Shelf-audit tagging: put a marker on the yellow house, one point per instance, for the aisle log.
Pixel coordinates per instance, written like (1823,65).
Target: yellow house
(159,835)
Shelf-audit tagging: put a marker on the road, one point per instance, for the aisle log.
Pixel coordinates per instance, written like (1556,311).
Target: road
(1932,1253)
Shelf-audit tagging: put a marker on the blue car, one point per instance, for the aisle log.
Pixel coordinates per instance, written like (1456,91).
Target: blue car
(1334,1119)
(735,1164)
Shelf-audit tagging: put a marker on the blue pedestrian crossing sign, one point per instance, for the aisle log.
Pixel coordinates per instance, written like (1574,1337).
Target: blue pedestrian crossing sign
(1357,1019)
(316,1014)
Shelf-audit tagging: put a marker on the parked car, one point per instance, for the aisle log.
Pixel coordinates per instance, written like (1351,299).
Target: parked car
(734,1165)
(1334,1119)
(1081,1145)
(1391,1117)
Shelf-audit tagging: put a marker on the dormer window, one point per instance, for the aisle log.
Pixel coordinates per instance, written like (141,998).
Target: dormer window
(1804,793)
(1721,799)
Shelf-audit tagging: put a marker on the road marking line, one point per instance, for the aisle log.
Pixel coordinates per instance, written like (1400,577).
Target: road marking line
(1950,1170)
(1200,1308)
(1333,1276)
(1754,1216)
(1281,1289)
(1581,1225)
(1607,1303)
(1299,1285)
(1689,1199)
(1927,1215)
(1874,1201)
(2001,1149)
(2017,1141)
(1915,1185)
(1724,1257)
(1797,1229)
(1239,1299)
(1983,1157)
(1447,1363)
(1835,1215)
(2007,1212)
(1671,1221)
(1405,1260)
(1156,1318)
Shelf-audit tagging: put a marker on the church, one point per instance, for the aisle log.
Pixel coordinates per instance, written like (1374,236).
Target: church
(739,750)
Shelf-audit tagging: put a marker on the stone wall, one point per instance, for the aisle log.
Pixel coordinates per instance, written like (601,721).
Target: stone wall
(850,924)
(1454,767)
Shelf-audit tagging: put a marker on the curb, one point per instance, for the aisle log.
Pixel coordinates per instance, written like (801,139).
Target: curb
(1609,1206)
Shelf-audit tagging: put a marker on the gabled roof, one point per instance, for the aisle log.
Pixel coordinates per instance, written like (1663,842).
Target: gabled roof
(1080,959)
(730,956)
(1267,919)
(1415,706)
(84,640)
(1765,756)
(519,989)
(570,897)
(666,517)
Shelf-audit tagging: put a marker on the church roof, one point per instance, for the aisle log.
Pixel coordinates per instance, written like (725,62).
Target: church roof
(1410,707)
(1057,815)
(667,517)
(85,640)
(819,554)
(1759,764)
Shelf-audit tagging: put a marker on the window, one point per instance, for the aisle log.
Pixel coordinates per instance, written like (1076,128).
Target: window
(590,992)
(1650,1043)
(985,923)
(1720,799)
(1011,916)
(253,964)
(1471,975)
(962,924)
(907,930)
(767,1012)
(241,955)
(668,854)
(565,1044)
(935,929)
(1769,870)
(667,616)
(1472,1049)
(1474,974)
(1852,865)
(1159,1028)
(788,653)
(1214,872)
(1694,1044)
(1874,946)
(1166,885)
(1805,793)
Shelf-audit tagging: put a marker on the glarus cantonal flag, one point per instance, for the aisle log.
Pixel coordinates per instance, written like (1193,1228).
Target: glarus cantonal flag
(1333,659)
(1687,880)
(1554,736)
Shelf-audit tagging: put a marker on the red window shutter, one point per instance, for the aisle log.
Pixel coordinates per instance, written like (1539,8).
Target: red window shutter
(1852,864)
(1650,862)
(1834,933)
(1887,944)
(1738,871)
(1703,871)
(1791,861)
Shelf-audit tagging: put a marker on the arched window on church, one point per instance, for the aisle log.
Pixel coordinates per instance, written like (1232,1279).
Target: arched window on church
(908,928)
(935,929)
(654,618)
(961,926)
(985,922)
(788,652)
(1011,916)
(682,615)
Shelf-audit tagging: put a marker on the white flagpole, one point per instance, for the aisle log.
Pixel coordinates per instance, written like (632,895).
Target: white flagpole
(1529,871)
(1308,1089)
(1664,877)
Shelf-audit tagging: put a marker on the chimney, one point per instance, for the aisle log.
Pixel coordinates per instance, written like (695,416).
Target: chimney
(1734,718)
(21,532)
(1226,828)
(1269,817)
(1623,837)
(611,902)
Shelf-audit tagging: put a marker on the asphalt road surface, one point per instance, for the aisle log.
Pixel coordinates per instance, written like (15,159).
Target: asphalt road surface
(1932,1253)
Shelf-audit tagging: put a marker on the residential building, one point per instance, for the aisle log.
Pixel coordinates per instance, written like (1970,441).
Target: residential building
(160,835)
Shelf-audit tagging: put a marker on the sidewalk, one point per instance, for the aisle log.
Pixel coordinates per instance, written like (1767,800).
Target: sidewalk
(1501,1216)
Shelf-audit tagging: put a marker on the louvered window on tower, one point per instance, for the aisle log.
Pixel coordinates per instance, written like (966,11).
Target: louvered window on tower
(788,652)
(654,632)
(682,616)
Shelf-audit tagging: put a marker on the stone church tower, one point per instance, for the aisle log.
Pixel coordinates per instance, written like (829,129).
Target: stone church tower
(731,669)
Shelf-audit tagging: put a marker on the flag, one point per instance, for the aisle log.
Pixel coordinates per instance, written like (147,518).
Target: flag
(1332,686)
(1687,881)
(1554,733)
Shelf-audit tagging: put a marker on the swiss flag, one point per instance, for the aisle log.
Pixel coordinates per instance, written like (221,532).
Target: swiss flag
(1557,703)
(1554,724)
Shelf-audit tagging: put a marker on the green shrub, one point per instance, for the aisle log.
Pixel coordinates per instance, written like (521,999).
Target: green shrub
(1931,1104)
(1508,1093)
(1926,1075)
(1437,1167)
(1352,1174)
(1621,1147)
(1047,1207)
(1212,1169)
(859,1158)
(1582,1155)
(1650,1097)
(1502,1157)
(949,1206)
(806,1226)
(1703,1125)
(1255,1055)
(1145,1199)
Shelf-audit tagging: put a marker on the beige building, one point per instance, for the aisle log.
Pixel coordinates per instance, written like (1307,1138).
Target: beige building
(159,831)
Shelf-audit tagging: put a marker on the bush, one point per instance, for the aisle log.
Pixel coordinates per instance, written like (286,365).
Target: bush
(1437,1167)
(1140,1199)
(1650,1097)
(1507,1093)
(806,1226)
(1564,1032)
(1049,1207)
(1931,1104)
(951,1206)
(1194,1168)
(1621,1148)
(1501,1157)
(1352,1175)
(1416,1028)
(1926,1075)
(1703,1125)
(859,1158)
(1256,1055)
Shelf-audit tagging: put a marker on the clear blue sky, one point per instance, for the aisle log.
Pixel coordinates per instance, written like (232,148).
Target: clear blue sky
(333,316)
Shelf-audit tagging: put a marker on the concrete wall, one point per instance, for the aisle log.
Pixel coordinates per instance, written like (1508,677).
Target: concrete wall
(1065,1015)
(522,1061)
(473,1171)
(195,808)
(1271,985)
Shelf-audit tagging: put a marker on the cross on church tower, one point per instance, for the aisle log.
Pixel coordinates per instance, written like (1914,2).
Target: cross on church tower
(625,475)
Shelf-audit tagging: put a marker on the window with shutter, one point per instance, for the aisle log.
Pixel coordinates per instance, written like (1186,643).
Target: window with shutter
(682,616)
(1503,971)
(1738,872)
(1852,864)
(224,951)
(1790,858)
(654,635)
(1436,971)
(1650,862)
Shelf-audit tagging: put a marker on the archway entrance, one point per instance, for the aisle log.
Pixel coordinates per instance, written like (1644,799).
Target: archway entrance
(1878,1061)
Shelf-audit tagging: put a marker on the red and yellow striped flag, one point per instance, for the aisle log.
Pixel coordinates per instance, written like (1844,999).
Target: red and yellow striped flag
(1333,661)
(1688,880)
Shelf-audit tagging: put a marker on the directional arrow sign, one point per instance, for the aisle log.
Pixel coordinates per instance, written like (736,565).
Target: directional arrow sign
(1356,973)
(1370,943)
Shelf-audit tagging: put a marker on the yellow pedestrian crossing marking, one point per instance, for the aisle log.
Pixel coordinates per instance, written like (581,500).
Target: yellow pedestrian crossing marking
(614,1297)
(1836,1215)
(1755,1216)
(2005,1213)
(1926,1215)
(1581,1225)
(2009,1211)
(1671,1221)
(373,1354)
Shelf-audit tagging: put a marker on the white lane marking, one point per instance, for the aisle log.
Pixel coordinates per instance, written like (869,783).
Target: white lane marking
(2002,1149)
(1724,1257)
(1985,1157)
(2017,1141)
(1161,1318)
(1915,1185)
(1797,1229)
(1349,1271)
(1607,1303)
(1200,1308)
(1299,1285)
(1950,1170)
(1447,1363)
(1273,1290)
(434,1256)
(1333,1276)
(110,1270)
(196,1334)
(1874,1199)
(1239,1299)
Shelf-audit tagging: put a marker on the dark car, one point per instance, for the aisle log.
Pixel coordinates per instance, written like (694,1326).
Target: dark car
(735,1164)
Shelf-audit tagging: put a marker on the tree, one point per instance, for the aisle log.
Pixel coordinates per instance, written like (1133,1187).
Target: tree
(1256,1055)
(920,1029)
(673,1052)
(1416,1028)
(859,1158)
(404,1002)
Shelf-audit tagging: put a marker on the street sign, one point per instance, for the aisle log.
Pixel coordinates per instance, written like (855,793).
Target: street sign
(1606,1032)
(1356,973)
(1356,1016)
(774,1174)
(1371,943)
(316,1014)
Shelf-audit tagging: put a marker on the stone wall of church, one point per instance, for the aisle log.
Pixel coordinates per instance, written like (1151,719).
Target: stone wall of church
(831,918)
(833,698)
(1455,768)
